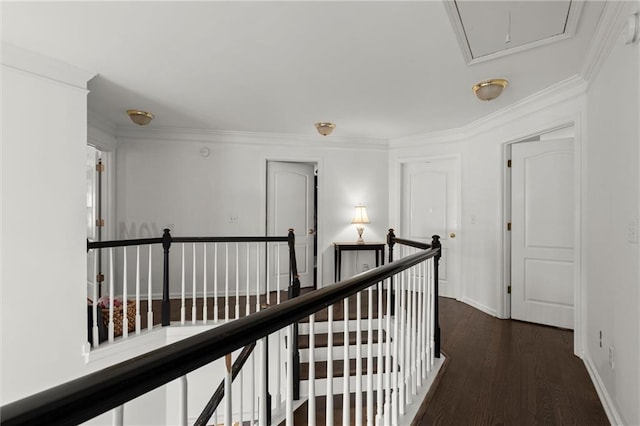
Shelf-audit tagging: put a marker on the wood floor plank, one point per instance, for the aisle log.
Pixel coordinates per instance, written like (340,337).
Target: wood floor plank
(504,372)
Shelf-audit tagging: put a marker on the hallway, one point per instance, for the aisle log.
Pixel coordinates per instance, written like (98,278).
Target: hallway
(503,372)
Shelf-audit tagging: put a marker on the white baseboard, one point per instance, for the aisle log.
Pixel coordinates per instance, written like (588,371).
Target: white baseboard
(480,306)
(603,394)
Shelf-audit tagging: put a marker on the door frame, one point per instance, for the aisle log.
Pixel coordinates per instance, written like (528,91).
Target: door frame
(504,298)
(319,204)
(397,203)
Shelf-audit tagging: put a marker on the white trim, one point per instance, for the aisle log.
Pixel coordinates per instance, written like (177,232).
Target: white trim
(319,162)
(397,202)
(606,34)
(504,310)
(603,394)
(248,138)
(565,90)
(45,67)
(479,306)
(573,17)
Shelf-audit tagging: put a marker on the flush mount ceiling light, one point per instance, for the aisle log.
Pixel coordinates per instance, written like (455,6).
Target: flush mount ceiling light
(141,118)
(325,129)
(489,89)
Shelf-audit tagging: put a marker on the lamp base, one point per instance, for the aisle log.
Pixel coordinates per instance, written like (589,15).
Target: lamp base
(360,231)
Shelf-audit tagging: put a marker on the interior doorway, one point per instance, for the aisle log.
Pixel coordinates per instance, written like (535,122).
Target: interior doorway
(430,205)
(540,205)
(292,198)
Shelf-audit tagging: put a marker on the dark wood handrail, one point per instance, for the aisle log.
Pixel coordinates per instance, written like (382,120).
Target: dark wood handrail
(146,241)
(91,395)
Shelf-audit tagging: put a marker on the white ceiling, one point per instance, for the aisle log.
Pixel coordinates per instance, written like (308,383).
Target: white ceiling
(376,69)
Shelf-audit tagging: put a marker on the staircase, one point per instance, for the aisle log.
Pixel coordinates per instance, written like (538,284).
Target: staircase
(365,349)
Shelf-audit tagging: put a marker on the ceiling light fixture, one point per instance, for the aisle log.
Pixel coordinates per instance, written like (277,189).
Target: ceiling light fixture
(141,118)
(325,129)
(489,89)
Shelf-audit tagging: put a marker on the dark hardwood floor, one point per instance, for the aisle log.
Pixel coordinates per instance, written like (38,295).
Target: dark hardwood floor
(504,372)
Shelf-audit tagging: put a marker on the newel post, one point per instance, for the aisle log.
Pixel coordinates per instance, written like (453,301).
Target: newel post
(435,243)
(166,303)
(391,241)
(294,291)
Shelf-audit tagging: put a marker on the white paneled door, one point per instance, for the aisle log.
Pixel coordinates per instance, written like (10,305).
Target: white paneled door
(542,253)
(430,206)
(290,204)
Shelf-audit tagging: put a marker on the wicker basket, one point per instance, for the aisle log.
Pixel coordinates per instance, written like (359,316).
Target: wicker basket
(118,318)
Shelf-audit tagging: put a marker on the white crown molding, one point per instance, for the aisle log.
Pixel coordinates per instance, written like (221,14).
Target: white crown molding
(607,32)
(442,136)
(559,92)
(567,89)
(575,10)
(124,133)
(45,67)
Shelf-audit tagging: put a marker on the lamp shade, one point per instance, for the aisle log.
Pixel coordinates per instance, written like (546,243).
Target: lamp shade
(360,215)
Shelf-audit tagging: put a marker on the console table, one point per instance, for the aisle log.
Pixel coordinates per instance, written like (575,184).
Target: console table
(340,247)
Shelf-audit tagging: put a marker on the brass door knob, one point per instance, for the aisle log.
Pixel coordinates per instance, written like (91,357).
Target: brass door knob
(311,231)
(452,235)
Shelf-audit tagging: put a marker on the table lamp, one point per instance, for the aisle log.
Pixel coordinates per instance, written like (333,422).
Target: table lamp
(360,219)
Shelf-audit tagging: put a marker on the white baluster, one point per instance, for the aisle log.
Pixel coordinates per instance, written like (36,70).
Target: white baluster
(432,302)
(423,298)
(311,404)
(183,398)
(358,407)
(278,395)
(268,268)
(138,320)
(117,418)
(110,325)
(402,342)
(94,305)
(183,312)
(205,313)
(241,399)
(215,282)
(329,407)
(414,307)
(395,381)
(278,274)
(257,277)
(370,418)
(252,417)
(408,342)
(379,395)
(346,403)
(419,326)
(125,317)
(247,309)
(428,325)
(237,283)
(387,360)
(226,281)
(228,405)
(149,295)
(262,400)
(289,393)
(194,311)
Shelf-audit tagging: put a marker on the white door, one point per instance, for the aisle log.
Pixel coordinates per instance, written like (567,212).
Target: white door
(290,204)
(430,206)
(542,232)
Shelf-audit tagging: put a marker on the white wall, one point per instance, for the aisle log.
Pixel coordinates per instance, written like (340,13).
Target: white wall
(612,200)
(43,223)
(481,148)
(163,180)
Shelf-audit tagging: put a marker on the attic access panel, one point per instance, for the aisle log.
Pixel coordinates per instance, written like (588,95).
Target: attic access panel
(489,30)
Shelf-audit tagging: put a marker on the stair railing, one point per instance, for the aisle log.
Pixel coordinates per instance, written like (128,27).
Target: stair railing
(404,349)
(221,269)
